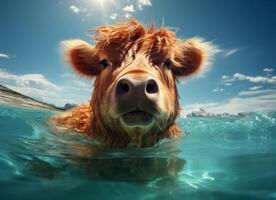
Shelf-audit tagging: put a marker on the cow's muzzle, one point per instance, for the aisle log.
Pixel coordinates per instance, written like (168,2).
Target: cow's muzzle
(137,99)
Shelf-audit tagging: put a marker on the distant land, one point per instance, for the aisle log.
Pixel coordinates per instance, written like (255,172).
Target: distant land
(11,97)
(201,112)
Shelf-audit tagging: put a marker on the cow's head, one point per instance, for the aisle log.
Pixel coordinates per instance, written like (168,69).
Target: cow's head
(136,69)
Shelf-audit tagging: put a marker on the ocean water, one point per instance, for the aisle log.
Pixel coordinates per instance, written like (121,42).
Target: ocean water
(218,158)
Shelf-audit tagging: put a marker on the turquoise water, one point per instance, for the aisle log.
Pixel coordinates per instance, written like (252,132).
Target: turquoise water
(220,158)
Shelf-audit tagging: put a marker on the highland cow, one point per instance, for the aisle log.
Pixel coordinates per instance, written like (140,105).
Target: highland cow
(135,98)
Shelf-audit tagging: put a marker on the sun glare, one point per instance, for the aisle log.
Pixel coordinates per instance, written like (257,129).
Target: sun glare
(100,3)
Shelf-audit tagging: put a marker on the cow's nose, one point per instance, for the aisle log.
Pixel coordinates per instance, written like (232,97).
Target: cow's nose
(151,87)
(136,87)
(123,87)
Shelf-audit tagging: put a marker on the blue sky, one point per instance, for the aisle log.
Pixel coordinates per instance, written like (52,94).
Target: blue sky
(241,78)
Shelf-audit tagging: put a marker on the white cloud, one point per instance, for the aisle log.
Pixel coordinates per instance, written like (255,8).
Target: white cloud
(263,101)
(253,79)
(28,80)
(226,52)
(256,92)
(67,75)
(142,3)
(98,9)
(81,84)
(229,52)
(113,16)
(84,10)
(255,88)
(268,70)
(78,9)
(225,77)
(227,84)
(218,89)
(75,9)
(129,8)
(127,15)
(74,82)
(2,55)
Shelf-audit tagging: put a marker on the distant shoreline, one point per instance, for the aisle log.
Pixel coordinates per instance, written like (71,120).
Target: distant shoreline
(11,97)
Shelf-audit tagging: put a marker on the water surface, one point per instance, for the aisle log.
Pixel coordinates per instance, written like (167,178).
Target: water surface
(219,158)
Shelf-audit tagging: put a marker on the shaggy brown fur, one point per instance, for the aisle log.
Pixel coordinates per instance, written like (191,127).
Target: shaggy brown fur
(130,47)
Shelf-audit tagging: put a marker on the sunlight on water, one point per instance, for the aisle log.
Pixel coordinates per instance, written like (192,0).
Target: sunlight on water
(221,158)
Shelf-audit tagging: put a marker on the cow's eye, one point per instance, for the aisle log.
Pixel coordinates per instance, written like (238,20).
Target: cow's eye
(104,63)
(167,63)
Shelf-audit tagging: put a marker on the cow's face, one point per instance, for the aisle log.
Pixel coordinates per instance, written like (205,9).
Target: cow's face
(136,70)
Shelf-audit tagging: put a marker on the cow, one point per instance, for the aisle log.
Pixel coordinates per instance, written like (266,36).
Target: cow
(135,99)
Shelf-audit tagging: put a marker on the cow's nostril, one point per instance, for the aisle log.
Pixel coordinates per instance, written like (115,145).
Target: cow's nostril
(122,87)
(151,87)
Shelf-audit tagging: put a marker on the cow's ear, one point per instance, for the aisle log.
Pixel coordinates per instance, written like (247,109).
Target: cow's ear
(191,56)
(83,57)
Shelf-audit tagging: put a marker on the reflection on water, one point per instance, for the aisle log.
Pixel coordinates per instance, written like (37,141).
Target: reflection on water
(222,158)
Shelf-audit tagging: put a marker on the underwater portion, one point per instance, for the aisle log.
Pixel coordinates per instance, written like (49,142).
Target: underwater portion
(231,157)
